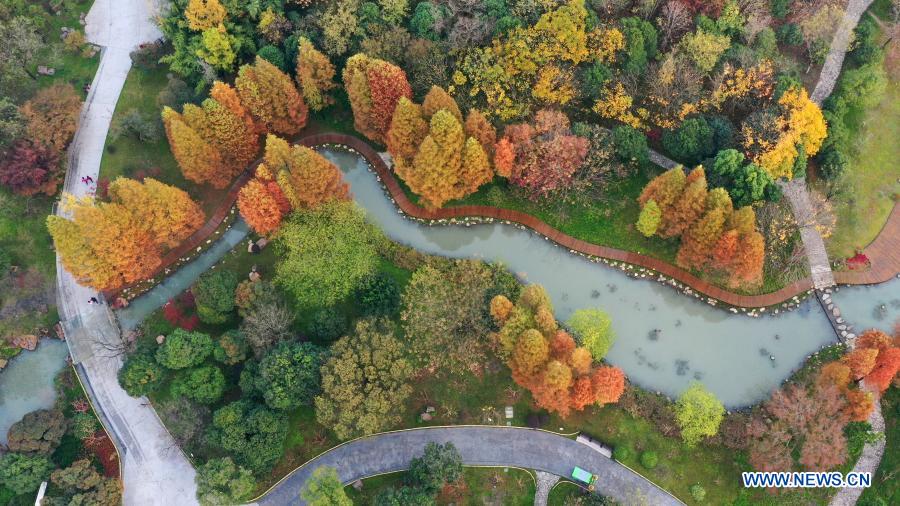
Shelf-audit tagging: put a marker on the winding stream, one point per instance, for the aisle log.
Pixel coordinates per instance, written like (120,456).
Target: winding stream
(665,339)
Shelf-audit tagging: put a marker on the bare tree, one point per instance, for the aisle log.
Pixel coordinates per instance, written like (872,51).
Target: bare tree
(673,21)
(267,324)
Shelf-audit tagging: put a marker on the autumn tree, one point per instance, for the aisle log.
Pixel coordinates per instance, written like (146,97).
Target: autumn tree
(227,96)
(664,190)
(802,422)
(104,246)
(315,75)
(271,97)
(204,14)
(167,212)
(698,413)
(198,159)
(408,130)
(547,154)
(772,138)
(887,364)
(860,361)
(29,168)
(259,208)
(306,178)
(446,166)
(478,126)
(361,390)
(436,99)
(649,219)
(687,208)
(51,116)
(374,87)
(545,359)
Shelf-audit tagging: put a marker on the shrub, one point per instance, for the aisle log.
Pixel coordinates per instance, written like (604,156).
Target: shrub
(221,481)
(23,473)
(273,55)
(147,56)
(140,375)
(622,452)
(231,348)
(790,34)
(204,384)
(183,349)
(84,425)
(780,8)
(698,492)
(691,142)
(630,144)
(214,295)
(134,124)
(649,459)
(327,325)
(175,94)
(378,295)
(832,163)
(39,431)
(287,376)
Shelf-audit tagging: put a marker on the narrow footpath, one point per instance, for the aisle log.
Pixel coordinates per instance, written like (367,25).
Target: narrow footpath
(154,469)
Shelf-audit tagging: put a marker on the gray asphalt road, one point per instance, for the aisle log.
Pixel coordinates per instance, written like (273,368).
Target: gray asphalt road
(488,446)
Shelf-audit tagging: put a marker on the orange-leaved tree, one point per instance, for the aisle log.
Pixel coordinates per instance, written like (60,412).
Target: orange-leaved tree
(198,159)
(167,212)
(374,87)
(259,208)
(271,97)
(546,360)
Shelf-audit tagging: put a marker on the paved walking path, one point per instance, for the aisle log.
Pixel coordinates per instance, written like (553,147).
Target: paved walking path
(817,257)
(485,446)
(831,69)
(155,471)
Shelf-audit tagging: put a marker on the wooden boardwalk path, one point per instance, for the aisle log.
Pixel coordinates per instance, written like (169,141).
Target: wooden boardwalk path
(884,254)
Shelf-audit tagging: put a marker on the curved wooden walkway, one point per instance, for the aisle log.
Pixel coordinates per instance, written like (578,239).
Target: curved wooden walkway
(565,240)
(884,251)
(884,254)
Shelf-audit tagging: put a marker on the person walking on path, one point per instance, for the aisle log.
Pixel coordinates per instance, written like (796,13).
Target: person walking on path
(93,300)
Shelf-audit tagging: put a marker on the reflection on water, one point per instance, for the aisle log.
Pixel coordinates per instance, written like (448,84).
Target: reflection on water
(26,384)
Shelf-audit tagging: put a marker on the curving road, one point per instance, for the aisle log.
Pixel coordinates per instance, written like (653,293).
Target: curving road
(484,446)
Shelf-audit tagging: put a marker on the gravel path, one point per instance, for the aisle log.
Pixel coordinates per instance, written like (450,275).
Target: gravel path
(154,469)
(545,482)
(485,446)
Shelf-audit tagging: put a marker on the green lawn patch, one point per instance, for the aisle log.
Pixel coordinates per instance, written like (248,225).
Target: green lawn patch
(128,156)
(872,180)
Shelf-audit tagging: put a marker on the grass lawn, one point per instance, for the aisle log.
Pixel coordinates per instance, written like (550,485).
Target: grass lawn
(873,178)
(127,156)
(886,482)
(488,486)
